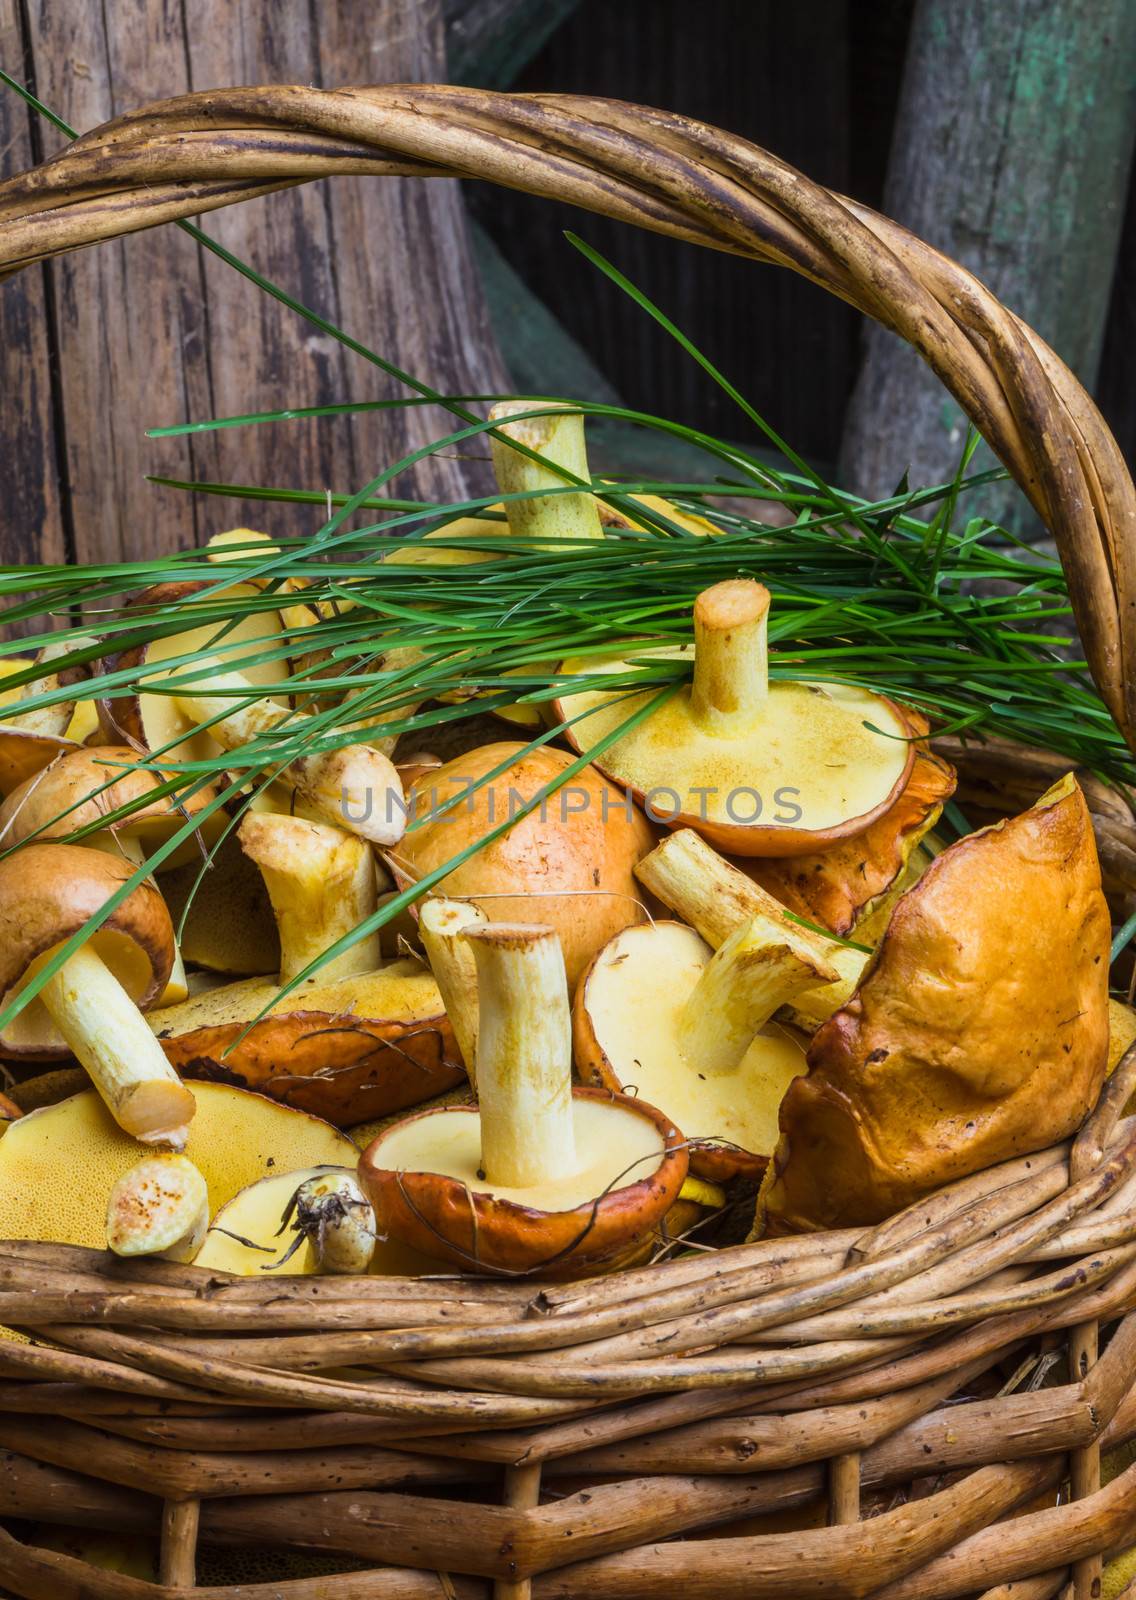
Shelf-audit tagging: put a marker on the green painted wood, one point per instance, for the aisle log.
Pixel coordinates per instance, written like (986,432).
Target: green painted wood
(1011,151)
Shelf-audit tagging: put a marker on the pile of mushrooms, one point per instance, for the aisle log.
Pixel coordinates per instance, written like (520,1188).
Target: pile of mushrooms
(838,1007)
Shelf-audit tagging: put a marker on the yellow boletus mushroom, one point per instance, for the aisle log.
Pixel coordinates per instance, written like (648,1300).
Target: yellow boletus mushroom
(691,1030)
(360,1038)
(538,1179)
(979,1032)
(58,1165)
(759,767)
(92,1006)
(716,898)
(567,863)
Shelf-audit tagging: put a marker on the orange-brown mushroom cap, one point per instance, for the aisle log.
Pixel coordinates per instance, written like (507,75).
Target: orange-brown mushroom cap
(978,1033)
(479,1232)
(85,785)
(350,1050)
(49,891)
(567,864)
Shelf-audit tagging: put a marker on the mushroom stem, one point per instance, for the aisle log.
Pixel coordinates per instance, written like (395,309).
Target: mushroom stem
(558,436)
(731,656)
(702,888)
(761,966)
(321,882)
(337,1217)
(355,787)
(111,1039)
(524,1055)
(159,1208)
(442,925)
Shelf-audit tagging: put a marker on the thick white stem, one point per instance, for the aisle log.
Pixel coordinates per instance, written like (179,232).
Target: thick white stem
(159,1208)
(355,787)
(558,436)
(111,1039)
(758,969)
(524,1055)
(321,882)
(731,656)
(442,925)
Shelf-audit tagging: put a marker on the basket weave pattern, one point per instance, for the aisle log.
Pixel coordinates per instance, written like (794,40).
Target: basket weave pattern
(467,1438)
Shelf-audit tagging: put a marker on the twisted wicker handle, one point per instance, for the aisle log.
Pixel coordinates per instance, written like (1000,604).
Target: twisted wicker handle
(198,152)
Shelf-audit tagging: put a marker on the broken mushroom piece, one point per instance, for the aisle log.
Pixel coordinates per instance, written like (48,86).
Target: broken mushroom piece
(691,1030)
(567,864)
(30,739)
(159,1208)
(334,1213)
(539,1179)
(716,898)
(980,1031)
(93,1005)
(758,767)
(9,1111)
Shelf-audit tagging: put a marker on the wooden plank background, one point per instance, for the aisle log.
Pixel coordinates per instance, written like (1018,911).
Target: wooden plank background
(152,329)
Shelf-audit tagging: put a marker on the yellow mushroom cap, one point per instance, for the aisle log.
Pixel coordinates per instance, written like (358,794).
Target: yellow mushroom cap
(627,1032)
(759,767)
(59,1164)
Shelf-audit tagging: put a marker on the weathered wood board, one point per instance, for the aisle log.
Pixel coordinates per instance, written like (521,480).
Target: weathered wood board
(151,329)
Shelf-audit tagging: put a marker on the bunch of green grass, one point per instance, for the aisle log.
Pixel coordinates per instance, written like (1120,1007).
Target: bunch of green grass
(902,595)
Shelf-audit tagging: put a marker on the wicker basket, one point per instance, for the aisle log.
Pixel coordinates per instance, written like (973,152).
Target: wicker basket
(624,1437)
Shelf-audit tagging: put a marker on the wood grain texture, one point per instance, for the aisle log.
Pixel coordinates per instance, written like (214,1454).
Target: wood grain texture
(1011,153)
(155,330)
(32,521)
